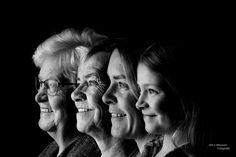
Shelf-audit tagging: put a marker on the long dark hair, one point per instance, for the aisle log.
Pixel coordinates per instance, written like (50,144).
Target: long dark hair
(170,59)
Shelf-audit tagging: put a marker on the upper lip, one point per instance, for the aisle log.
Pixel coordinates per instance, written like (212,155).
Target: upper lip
(148,114)
(45,109)
(116,113)
(81,105)
(84,109)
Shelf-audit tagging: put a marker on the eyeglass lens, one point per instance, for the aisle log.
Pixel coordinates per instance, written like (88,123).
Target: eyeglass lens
(50,85)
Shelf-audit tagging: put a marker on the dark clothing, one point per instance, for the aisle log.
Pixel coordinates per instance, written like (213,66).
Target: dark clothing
(154,146)
(178,152)
(82,146)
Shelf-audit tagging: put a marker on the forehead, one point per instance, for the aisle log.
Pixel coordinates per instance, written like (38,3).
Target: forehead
(115,66)
(49,69)
(145,75)
(95,62)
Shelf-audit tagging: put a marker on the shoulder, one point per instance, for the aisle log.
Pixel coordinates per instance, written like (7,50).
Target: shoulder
(50,150)
(178,152)
(83,146)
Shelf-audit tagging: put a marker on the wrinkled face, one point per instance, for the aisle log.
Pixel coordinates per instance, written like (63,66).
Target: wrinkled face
(53,108)
(153,100)
(126,119)
(88,95)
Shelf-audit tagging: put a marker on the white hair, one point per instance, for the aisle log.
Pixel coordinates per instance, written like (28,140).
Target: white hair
(67,48)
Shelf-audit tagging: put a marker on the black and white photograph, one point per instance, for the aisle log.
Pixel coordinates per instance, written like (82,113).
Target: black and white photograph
(117,83)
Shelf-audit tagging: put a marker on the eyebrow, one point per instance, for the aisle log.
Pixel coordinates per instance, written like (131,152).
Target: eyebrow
(97,73)
(90,75)
(158,85)
(118,77)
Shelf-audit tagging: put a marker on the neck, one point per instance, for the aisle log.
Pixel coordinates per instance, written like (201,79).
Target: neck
(169,144)
(63,138)
(110,146)
(116,148)
(143,140)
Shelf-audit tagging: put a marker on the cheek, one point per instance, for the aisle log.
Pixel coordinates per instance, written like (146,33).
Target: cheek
(94,97)
(57,102)
(127,104)
(158,104)
(95,101)
(58,105)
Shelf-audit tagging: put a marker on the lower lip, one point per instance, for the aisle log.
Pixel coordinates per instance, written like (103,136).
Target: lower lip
(84,113)
(45,112)
(148,117)
(118,117)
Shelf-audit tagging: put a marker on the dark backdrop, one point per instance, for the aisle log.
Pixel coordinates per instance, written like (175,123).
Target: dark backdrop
(206,36)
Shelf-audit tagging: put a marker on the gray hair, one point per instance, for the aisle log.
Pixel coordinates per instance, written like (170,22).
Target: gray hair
(67,48)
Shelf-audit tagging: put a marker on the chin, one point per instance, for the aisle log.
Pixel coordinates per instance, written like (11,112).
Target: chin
(84,125)
(150,129)
(47,126)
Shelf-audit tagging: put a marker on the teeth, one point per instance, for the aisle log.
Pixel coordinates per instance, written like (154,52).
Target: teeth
(45,110)
(114,115)
(81,110)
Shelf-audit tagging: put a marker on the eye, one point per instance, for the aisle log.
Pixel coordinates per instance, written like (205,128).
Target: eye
(92,83)
(152,91)
(77,84)
(139,89)
(52,86)
(122,85)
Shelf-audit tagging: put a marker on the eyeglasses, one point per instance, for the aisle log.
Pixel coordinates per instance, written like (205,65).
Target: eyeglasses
(52,86)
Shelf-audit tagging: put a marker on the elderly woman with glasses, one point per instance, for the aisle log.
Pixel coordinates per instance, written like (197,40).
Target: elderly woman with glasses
(57,60)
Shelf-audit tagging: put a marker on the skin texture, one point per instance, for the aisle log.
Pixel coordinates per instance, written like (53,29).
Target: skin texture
(126,119)
(56,106)
(56,111)
(153,100)
(88,96)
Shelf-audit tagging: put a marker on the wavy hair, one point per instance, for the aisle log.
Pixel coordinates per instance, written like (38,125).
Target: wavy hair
(67,48)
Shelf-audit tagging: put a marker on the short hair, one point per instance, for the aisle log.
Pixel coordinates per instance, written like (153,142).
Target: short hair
(67,48)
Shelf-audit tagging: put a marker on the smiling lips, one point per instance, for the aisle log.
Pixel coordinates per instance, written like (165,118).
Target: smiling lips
(117,115)
(45,110)
(82,110)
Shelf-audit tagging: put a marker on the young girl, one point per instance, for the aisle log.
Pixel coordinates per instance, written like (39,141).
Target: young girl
(165,100)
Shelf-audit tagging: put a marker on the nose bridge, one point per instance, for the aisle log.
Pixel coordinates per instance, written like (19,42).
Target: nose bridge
(79,93)
(140,103)
(108,95)
(82,87)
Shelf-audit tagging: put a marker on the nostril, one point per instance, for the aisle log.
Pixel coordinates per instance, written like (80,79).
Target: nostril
(108,102)
(140,105)
(41,97)
(80,97)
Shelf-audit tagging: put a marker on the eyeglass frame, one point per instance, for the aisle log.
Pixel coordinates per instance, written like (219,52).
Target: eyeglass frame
(40,83)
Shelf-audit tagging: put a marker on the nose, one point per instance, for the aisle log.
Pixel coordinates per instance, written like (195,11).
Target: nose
(77,95)
(41,96)
(141,103)
(109,97)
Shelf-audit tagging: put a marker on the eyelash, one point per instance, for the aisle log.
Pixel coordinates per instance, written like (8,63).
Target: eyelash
(122,85)
(152,91)
(92,83)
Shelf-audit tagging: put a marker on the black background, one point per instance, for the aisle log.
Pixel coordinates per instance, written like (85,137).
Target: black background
(206,29)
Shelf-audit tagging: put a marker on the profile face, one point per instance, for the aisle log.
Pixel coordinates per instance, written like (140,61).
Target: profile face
(53,108)
(88,95)
(126,119)
(153,100)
